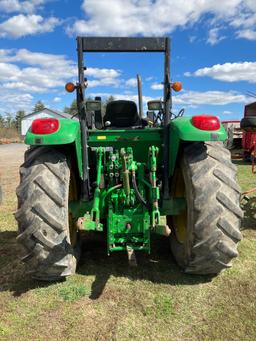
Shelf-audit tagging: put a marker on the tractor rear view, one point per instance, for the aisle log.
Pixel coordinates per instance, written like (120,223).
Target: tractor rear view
(119,173)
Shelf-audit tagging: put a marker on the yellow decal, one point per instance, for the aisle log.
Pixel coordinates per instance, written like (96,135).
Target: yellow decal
(101,137)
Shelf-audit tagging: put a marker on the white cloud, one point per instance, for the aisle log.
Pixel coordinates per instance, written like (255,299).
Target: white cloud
(22,86)
(102,73)
(132,82)
(251,4)
(189,98)
(10,6)
(11,102)
(132,17)
(229,72)
(214,37)
(8,71)
(57,99)
(6,55)
(247,34)
(227,112)
(42,59)
(44,71)
(103,82)
(244,22)
(23,25)
(192,39)
(209,98)
(23,72)
(157,86)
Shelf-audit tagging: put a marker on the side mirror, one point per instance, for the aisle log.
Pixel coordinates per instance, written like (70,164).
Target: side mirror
(155,105)
(93,105)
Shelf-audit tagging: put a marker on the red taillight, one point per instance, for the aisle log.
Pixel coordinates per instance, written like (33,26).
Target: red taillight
(206,122)
(45,126)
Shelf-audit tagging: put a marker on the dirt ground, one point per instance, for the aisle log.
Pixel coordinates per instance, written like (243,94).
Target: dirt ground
(11,156)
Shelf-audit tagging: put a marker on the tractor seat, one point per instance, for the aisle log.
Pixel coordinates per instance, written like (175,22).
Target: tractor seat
(123,114)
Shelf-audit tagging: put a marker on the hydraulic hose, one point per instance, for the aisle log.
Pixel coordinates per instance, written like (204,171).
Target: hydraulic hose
(111,190)
(137,193)
(104,196)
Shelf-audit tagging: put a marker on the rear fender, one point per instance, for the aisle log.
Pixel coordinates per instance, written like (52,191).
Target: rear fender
(68,133)
(182,129)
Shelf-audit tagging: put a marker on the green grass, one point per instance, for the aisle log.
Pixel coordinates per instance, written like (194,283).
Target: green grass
(108,300)
(73,292)
(160,306)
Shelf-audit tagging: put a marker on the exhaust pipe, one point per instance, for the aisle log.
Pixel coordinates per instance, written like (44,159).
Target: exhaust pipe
(139,84)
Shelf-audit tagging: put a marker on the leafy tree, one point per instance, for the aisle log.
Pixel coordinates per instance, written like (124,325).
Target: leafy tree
(72,109)
(9,121)
(18,118)
(2,121)
(105,102)
(39,106)
(110,99)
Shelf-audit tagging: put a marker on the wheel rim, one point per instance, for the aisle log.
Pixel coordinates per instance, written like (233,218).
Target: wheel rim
(71,197)
(179,221)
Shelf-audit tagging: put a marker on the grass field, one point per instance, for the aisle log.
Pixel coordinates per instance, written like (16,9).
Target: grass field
(107,300)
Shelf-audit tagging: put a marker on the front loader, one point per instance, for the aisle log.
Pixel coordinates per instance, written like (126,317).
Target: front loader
(120,172)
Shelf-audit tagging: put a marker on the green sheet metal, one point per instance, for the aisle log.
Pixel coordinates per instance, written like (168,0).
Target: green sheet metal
(68,132)
(182,129)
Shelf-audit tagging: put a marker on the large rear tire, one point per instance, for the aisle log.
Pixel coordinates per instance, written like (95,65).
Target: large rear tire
(44,227)
(205,236)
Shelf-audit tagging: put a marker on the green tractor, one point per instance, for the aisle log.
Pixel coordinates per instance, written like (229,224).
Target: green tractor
(121,173)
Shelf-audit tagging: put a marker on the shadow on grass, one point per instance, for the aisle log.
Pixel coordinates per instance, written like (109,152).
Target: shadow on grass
(159,267)
(241,162)
(13,276)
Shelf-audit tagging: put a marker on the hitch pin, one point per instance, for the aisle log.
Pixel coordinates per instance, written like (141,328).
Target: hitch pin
(131,256)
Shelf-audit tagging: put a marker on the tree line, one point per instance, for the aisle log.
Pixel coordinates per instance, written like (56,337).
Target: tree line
(72,109)
(14,121)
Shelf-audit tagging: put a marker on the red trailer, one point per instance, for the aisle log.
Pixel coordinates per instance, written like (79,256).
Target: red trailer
(248,124)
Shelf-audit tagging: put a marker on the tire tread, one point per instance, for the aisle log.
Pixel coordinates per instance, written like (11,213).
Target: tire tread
(216,212)
(43,214)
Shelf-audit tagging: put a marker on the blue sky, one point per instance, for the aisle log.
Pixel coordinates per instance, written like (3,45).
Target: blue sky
(213,52)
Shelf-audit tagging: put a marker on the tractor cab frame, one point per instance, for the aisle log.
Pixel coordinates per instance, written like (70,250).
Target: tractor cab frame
(115,44)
